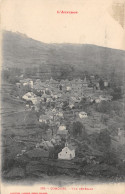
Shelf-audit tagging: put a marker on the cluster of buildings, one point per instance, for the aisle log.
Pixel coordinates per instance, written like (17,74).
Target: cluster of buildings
(52,90)
(57,94)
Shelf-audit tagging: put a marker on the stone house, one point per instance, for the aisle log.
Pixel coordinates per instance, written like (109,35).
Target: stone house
(29,96)
(66,154)
(83,115)
(27,82)
(106,83)
(43,119)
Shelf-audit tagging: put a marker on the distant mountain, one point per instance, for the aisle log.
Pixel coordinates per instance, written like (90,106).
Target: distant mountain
(22,51)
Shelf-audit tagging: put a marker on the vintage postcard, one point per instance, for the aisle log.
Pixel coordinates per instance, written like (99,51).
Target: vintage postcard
(62,96)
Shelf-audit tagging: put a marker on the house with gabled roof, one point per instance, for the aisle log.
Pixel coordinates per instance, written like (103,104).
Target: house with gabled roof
(29,96)
(43,119)
(66,153)
(27,82)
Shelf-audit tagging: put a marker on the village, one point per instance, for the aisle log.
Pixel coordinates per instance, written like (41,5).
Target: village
(59,103)
(63,126)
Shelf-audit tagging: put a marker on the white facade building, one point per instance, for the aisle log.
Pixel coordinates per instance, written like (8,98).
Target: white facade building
(66,154)
(83,115)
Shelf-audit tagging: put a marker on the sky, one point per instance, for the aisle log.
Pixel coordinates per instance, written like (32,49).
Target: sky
(39,20)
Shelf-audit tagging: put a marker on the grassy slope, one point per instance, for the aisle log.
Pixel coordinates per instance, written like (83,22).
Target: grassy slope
(21,51)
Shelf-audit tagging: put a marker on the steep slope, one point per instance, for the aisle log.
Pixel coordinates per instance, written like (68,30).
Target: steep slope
(21,51)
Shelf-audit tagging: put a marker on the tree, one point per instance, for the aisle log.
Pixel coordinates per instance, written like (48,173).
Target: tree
(103,107)
(11,75)
(110,158)
(104,140)
(77,128)
(104,119)
(83,100)
(117,93)
(65,105)
(44,126)
(84,104)
(60,87)
(5,74)
(101,84)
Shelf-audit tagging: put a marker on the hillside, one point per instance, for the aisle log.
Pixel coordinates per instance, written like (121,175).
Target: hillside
(21,51)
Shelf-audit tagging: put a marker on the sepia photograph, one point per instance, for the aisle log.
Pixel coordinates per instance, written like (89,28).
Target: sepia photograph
(63,92)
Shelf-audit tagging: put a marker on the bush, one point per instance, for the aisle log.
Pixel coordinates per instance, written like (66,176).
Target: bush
(104,119)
